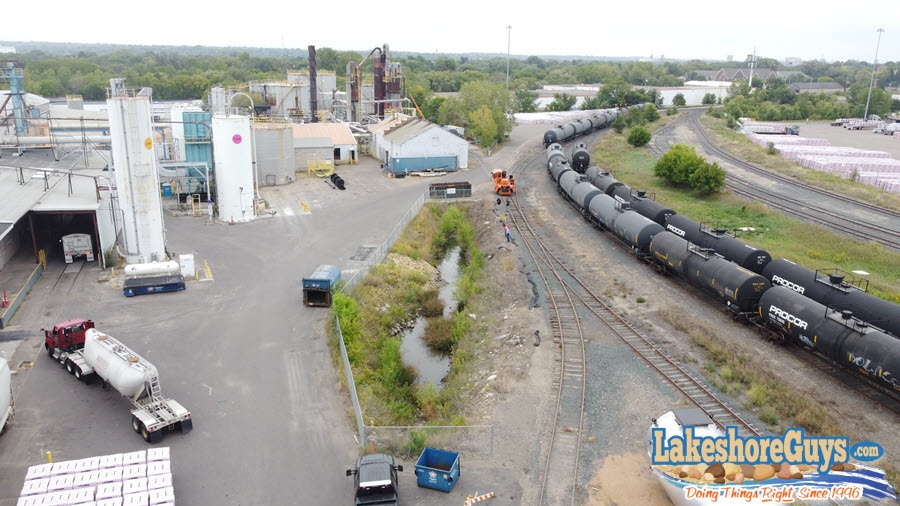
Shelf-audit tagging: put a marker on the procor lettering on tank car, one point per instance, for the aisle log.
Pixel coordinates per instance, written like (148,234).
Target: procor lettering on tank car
(848,341)
(834,291)
(731,248)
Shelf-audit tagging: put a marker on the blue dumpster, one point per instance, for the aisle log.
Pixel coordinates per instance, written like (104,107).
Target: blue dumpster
(437,469)
(167,189)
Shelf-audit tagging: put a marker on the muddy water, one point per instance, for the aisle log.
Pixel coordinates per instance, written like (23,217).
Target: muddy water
(433,366)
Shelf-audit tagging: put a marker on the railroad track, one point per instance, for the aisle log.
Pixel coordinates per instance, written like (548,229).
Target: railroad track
(562,286)
(806,211)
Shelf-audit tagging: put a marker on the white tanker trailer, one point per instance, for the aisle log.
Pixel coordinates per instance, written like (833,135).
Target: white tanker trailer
(6,407)
(132,376)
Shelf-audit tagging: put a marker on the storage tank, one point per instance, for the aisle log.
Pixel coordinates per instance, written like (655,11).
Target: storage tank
(137,179)
(170,267)
(234,167)
(274,153)
(115,363)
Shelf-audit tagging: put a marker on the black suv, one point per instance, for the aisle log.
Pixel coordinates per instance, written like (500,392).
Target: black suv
(375,477)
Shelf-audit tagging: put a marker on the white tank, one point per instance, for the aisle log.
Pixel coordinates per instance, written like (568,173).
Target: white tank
(122,368)
(170,267)
(5,391)
(234,167)
(137,180)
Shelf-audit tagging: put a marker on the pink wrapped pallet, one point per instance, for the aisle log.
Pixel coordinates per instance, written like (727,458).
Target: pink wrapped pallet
(134,486)
(83,479)
(896,135)
(135,471)
(109,490)
(134,458)
(159,481)
(108,461)
(39,471)
(33,500)
(111,475)
(138,499)
(57,498)
(116,501)
(162,496)
(159,467)
(81,495)
(64,467)
(158,454)
(89,464)
(89,503)
(61,482)
(34,487)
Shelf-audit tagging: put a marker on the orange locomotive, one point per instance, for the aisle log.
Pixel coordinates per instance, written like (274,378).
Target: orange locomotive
(503,185)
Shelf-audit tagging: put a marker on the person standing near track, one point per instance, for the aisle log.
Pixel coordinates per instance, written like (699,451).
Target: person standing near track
(506,229)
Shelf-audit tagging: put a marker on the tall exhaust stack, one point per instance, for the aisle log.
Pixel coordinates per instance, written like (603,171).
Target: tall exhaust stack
(313,89)
(137,179)
(380,88)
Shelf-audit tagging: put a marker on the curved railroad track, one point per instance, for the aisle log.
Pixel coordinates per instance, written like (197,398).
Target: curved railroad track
(811,212)
(563,284)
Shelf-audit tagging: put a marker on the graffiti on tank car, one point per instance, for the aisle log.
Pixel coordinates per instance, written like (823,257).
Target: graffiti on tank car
(675,230)
(620,199)
(789,284)
(869,368)
(782,316)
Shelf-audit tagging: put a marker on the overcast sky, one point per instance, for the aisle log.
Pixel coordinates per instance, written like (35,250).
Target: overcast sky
(687,29)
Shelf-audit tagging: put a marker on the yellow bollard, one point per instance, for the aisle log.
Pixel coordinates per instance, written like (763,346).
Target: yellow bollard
(49,460)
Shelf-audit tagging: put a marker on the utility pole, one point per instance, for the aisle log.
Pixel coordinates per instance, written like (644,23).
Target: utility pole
(508,35)
(872,82)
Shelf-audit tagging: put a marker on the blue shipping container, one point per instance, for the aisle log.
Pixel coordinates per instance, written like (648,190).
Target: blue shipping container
(437,469)
(423,164)
(317,287)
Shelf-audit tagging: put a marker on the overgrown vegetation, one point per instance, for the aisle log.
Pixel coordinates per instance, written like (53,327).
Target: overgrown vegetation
(395,292)
(638,137)
(682,166)
(809,245)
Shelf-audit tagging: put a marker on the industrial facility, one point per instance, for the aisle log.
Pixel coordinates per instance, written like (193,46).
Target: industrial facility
(104,170)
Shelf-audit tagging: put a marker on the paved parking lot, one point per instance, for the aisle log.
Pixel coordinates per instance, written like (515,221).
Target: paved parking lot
(241,352)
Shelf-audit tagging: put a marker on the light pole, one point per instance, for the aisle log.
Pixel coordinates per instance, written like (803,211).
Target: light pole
(872,82)
(508,35)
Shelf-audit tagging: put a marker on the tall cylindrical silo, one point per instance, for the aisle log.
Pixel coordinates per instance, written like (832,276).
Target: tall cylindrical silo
(234,167)
(137,180)
(274,144)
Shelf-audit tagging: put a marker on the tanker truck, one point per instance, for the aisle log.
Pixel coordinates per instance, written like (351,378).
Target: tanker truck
(133,377)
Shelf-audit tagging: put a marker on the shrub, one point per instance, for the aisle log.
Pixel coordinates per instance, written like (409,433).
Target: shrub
(640,300)
(431,304)
(618,125)
(439,334)
(678,100)
(771,149)
(672,111)
(709,99)
(708,178)
(678,164)
(651,114)
(639,137)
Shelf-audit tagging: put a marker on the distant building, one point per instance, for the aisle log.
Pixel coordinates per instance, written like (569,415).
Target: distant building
(743,74)
(815,87)
(7,49)
(790,76)
(707,75)
(791,61)
(332,142)
(416,144)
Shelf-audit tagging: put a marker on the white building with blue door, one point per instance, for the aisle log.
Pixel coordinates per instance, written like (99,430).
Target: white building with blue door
(416,144)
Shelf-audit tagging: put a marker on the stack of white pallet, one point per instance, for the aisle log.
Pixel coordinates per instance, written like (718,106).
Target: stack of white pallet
(142,478)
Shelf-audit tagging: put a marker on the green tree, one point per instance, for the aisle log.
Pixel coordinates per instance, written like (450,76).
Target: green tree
(651,113)
(709,99)
(678,100)
(562,102)
(619,124)
(635,117)
(708,178)
(638,137)
(483,126)
(591,103)
(678,164)
(525,100)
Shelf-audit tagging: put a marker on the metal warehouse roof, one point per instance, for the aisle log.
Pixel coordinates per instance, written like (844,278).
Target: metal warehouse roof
(388,123)
(818,86)
(339,133)
(409,130)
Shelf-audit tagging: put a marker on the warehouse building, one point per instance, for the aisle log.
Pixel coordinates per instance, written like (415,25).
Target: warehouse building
(416,144)
(317,142)
(815,87)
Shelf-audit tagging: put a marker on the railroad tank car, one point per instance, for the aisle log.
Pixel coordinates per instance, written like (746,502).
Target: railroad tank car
(835,292)
(739,252)
(552,136)
(582,194)
(554,151)
(581,127)
(603,210)
(622,193)
(670,251)
(581,158)
(652,209)
(568,180)
(635,230)
(558,167)
(731,283)
(599,121)
(602,180)
(850,343)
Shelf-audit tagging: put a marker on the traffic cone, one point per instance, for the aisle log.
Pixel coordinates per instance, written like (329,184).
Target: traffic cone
(5,300)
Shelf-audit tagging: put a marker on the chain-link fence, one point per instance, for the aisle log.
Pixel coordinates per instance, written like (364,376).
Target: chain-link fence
(382,251)
(450,190)
(408,442)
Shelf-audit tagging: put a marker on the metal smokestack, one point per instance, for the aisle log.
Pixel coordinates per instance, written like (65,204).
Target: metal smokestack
(313,90)
(380,88)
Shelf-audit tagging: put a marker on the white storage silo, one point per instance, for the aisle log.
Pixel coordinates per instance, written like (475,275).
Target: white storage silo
(274,144)
(137,179)
(234,167)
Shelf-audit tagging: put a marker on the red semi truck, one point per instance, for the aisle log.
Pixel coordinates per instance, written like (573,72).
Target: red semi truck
(66,336)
